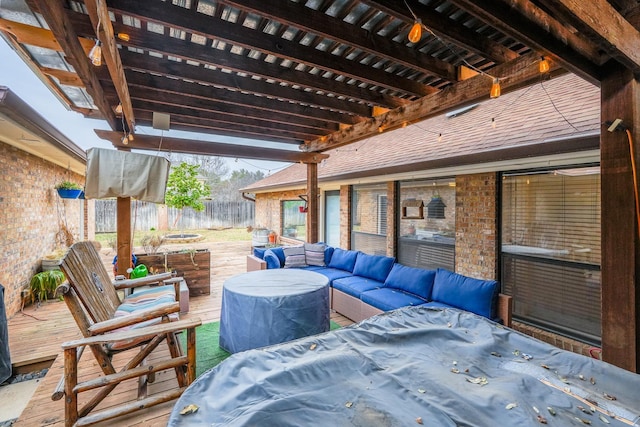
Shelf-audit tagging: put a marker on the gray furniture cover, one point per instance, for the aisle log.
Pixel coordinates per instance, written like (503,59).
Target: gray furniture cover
(438,367)
(267,307)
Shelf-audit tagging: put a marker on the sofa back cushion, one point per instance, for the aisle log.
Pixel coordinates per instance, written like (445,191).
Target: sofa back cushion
(343,259)
(376,267)
(279,251)
(294,256)
(474,295)
(416,281)
(271,259)
(314,253)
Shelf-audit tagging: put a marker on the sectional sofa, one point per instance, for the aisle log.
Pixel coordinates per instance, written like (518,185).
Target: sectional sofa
(364,285)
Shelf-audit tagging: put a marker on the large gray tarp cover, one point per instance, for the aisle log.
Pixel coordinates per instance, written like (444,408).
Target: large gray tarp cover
(112,173)
(441,367)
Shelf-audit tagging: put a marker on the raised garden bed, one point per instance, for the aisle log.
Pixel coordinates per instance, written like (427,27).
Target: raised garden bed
(193,265)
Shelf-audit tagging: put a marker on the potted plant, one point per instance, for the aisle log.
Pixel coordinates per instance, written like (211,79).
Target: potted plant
(68,190)
(44,284)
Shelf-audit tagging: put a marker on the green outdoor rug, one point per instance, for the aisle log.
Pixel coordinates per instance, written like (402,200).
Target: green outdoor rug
(208,352)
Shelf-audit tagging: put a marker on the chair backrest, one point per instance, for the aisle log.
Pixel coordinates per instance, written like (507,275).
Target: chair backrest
(89,279)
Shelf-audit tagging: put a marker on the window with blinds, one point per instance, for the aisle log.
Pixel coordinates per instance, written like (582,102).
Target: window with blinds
(369,219)
(551,249)
(427,241)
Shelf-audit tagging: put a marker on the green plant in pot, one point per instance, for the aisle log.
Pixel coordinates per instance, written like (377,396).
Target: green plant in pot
(44,284)
(68,190)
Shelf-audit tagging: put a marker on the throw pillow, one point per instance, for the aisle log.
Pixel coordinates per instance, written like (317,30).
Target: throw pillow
(314,253)
(271,259)
(294,257)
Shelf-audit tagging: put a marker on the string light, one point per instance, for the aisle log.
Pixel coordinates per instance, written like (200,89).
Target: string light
(543,66)
(404,124)
(95,54)
(130,137)
(493,122)
(439,137)
(118,109)
(495,88)
(125,140)
(415,34)
(124,37)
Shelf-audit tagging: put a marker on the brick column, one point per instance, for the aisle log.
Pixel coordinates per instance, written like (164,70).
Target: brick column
(476,225)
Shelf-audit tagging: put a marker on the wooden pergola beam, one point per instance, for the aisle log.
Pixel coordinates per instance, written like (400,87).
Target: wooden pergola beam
(62,29)
(192,146)
(100,19)
(513,75)
(617,36)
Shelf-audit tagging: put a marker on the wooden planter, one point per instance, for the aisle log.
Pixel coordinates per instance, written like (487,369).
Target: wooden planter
(194,266)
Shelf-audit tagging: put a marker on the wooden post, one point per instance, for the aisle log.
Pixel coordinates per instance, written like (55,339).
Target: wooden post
(313,211)
(123,213)
(70,381)
(620,97)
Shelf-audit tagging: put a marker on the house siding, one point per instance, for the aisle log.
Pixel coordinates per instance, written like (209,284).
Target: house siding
(31,216)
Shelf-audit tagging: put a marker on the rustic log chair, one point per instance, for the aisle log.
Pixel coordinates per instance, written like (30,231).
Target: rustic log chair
(142,320)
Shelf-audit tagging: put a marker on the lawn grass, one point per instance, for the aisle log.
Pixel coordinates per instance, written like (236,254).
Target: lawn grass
(221,235)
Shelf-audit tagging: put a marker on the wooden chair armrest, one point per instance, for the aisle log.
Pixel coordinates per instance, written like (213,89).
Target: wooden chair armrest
(505,309)
(131,334)
(135,317)
(254,263)
(142,281)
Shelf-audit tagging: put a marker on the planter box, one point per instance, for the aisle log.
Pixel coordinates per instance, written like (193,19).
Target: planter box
(194,266)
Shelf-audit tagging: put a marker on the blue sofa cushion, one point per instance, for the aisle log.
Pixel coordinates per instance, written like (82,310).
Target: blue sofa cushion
(343,259)
(314,253)
(259,252)
(389,299)
(376,267)
(294,257)
(328,252)
(355,285)
(417,281)
(279,251)
(474,295)
(271,259)
(330,273)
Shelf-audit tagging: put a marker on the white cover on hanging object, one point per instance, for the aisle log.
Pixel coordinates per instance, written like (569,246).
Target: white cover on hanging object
(112,173)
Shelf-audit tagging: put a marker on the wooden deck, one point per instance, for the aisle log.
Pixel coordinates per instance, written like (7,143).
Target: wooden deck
(35,336)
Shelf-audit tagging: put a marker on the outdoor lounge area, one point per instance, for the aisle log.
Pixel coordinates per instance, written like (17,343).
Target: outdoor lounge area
(471,165)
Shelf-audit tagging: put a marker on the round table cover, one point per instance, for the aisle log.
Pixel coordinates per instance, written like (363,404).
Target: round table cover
(266,307)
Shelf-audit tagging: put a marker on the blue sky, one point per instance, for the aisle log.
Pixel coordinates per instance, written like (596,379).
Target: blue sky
(18,77)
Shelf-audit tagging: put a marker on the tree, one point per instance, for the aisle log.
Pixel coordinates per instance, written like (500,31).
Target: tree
(185,190)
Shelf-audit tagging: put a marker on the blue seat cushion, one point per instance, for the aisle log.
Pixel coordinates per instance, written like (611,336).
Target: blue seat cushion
(343,259)
(271,259)
(389,299)
(259,252)
(376,267)
(330,273)
(355,285)
(417,281)
(474,295)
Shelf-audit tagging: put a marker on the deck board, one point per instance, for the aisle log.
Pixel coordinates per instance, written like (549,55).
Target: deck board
(36,334)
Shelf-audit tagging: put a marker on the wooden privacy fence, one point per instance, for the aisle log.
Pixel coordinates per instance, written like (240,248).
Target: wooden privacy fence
(145,215)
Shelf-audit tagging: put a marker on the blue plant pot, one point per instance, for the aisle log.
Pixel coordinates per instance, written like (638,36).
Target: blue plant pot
(66,193)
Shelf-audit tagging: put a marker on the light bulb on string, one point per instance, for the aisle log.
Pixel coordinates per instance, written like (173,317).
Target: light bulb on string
(415,34)
(495,88)
(125,140)
(95,54)
(439,137)
(543,66)
(493,122)
(130,136)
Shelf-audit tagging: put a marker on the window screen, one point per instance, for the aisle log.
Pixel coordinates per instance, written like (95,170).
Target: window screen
(369,219)
(294,219)
(551,249)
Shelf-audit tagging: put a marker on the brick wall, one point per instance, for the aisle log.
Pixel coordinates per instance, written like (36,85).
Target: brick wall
(476,225)
(31,213)
(268,208)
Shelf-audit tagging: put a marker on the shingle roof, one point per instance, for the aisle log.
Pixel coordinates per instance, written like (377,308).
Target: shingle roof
(564,107)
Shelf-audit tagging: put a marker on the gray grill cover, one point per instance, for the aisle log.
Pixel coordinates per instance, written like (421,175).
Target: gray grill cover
(112,173)
(410,364)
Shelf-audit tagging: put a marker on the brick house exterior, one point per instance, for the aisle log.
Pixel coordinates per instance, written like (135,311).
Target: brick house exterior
(33,214)
(474,156)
